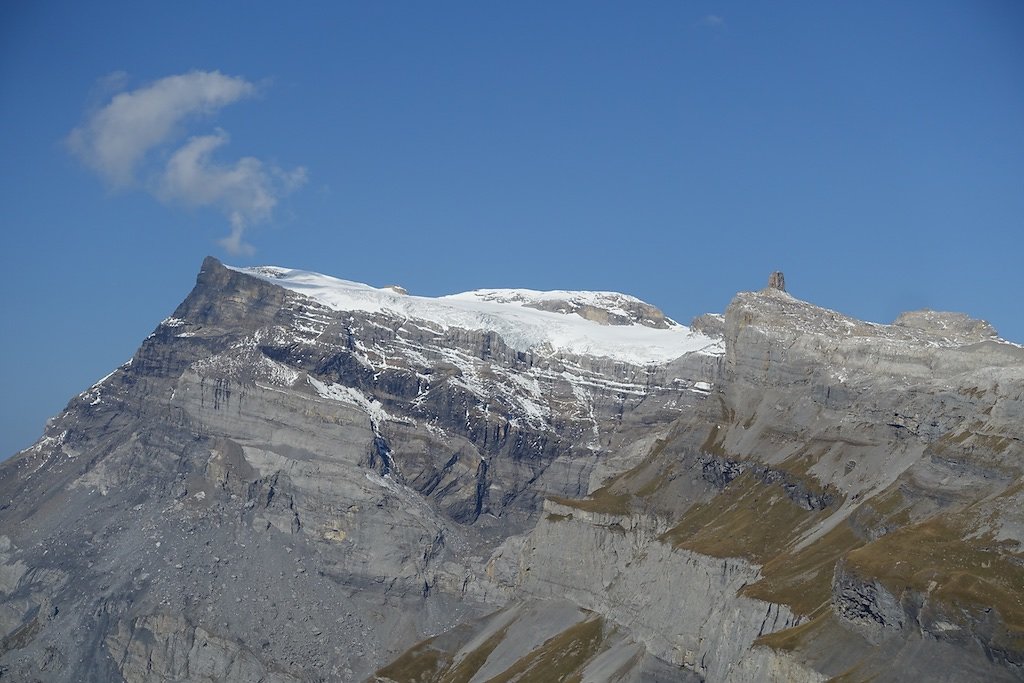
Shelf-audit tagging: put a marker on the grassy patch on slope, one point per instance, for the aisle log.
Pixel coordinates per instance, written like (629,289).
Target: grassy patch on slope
(615,497)
(803,579)
(749,519)
(934,557)
(791,638)
(601,501)
(463,671)
(422,663)
(561,658)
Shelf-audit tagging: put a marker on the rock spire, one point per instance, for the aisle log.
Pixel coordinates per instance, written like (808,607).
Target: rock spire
(777,281)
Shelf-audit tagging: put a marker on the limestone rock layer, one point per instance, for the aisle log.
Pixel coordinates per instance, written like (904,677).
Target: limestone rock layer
(302,479)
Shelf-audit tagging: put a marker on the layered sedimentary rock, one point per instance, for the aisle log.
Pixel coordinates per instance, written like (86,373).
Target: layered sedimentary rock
(305,490)
(297,478)
(844,503)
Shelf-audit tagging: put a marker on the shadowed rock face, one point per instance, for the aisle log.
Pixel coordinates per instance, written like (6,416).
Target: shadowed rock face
(272,489)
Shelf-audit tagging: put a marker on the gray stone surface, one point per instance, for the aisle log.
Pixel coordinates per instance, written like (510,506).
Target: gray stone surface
(273,490)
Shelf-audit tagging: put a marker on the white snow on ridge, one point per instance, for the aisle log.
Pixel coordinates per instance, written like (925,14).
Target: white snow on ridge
(352,396)
(527,297)
(504,311)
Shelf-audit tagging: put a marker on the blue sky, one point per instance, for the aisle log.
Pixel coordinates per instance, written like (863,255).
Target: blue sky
(678,151)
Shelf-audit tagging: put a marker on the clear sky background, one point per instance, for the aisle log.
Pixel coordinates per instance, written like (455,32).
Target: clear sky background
(677,151)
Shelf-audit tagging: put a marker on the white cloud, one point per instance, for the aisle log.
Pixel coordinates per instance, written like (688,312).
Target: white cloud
(117,140)
(233,243)
(713,20)
(246,191)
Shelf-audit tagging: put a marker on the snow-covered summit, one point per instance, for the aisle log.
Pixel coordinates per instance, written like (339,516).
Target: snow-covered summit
(603,324)
(606,308)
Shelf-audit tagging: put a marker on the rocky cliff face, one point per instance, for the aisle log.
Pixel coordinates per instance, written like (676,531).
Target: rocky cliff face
(301,479)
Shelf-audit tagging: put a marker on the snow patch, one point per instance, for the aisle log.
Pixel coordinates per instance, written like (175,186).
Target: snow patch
(278,373)
(352,396)
(701,387)
(507,312)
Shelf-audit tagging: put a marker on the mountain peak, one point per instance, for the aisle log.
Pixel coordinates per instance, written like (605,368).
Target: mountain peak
(483,480)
